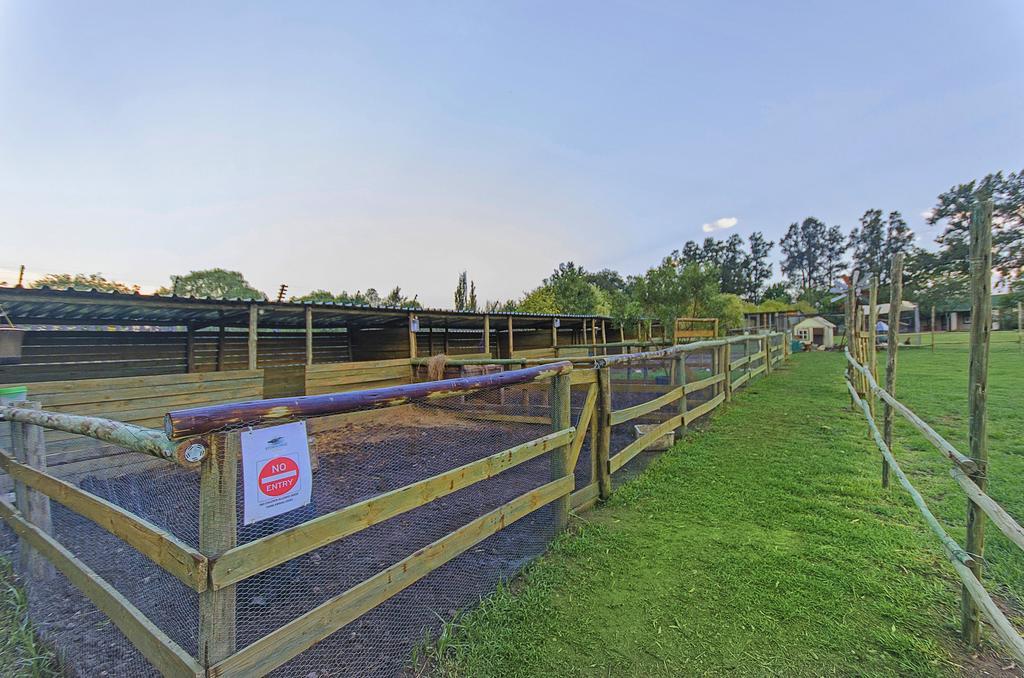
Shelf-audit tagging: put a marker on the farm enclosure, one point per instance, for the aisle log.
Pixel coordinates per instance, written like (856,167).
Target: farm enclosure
(505,439)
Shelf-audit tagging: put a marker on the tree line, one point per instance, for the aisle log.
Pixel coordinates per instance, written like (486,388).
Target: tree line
(721,278)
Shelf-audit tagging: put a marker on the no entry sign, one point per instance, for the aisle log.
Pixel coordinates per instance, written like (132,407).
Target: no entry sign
(276,471)
(278,476)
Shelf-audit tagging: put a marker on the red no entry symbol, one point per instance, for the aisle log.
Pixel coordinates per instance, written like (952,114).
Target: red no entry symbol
(278,476)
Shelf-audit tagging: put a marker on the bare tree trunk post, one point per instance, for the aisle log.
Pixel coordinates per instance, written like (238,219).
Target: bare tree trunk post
(981,330)
(895,304)
(933,328)
(872,341)
(253,346)
(851,330)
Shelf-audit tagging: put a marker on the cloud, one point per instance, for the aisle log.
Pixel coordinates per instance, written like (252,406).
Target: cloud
(926,215)
(720,224)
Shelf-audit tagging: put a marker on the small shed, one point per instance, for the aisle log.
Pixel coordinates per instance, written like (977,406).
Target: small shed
(816,330)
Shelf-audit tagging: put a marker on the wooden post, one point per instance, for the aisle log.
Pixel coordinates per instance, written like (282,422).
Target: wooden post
(412,335)
(190,349)
(554,335)
(872,341)
(309,335)
(221,355)
(977,395)
(933,328)
(561,418)
(680,380)
(851,330)
(604,337)
(1020,325)
(253,332)
(218,526)
(511,341)
(604,430)
(34,506)
(444,342)
(487,335)
(727,368)
(593,332)
(895,302)
(767,348)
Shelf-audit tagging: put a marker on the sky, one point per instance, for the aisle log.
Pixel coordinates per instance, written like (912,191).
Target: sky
(347,145)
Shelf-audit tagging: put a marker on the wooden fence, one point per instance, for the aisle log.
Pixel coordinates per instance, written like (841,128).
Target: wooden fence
(207,439)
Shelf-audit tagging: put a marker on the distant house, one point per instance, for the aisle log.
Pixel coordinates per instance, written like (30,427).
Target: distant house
(816,330)
(955,316)
(781,320)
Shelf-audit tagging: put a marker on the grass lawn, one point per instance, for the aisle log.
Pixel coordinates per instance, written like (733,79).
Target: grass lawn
(763,545)
(20,652)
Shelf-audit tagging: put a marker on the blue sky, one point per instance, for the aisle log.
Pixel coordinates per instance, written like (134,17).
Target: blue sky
(354,145)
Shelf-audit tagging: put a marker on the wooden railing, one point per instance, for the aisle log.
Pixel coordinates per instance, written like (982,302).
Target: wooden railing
(209,438)
(962,560)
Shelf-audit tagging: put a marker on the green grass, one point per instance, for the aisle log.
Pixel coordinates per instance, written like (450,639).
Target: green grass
(763,545)
(20,652)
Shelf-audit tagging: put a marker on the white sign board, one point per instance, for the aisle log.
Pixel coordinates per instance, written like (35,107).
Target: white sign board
(275,470)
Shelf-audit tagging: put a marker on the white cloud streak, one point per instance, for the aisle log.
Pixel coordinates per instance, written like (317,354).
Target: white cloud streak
(720,224)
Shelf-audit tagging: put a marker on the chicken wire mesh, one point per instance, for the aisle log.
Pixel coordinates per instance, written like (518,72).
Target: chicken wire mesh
(84,639)
(364,455)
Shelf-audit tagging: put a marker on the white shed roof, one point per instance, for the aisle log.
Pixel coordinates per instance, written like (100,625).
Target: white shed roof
(815,321)
(883,309)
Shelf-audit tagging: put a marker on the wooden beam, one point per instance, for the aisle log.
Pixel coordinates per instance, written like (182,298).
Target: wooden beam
(199,420)
(487,334)
(412,335)
(893,347)
(873,339)
(561,417)
(155,645)
(602,443)
(554,334)
(977,396)
(218,520)
(511,340)
(309,335)
(643,442)
(276,648)
(261,554)
(630,413)
(253,345)
(30,448)
(161,547)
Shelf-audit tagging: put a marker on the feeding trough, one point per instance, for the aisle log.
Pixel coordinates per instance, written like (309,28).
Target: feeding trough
(10,341)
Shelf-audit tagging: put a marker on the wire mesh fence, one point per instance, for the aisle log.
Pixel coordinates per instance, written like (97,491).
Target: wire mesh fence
(416,511)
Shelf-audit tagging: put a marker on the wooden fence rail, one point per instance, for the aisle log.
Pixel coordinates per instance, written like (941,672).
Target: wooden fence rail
(960,558)
(219,564)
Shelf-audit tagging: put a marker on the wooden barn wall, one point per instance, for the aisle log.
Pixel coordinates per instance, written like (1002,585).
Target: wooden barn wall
(141,400)
(50,356)
(387,343)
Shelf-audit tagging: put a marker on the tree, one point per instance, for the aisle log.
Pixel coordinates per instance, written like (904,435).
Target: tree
(395,298)
(758,268)
(471,306)
(877,241)
(572,290)
(462,293)
(954,208)
(540,300)
(777,292)
(607,281)
(84,281)
(742,271)
(369,298)
(812,254)
(215,283)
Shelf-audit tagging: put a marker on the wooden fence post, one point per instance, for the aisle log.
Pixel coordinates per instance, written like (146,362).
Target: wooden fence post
(308,312)
(1020,325)
(561,418)
(872,341)
(851,331)
(767,348)
(604,430)
(680,381)
(977,395)
(34,506)
(253,338)
(893,341)
(933,328)
(218,532)
(727,368)
(487,336)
